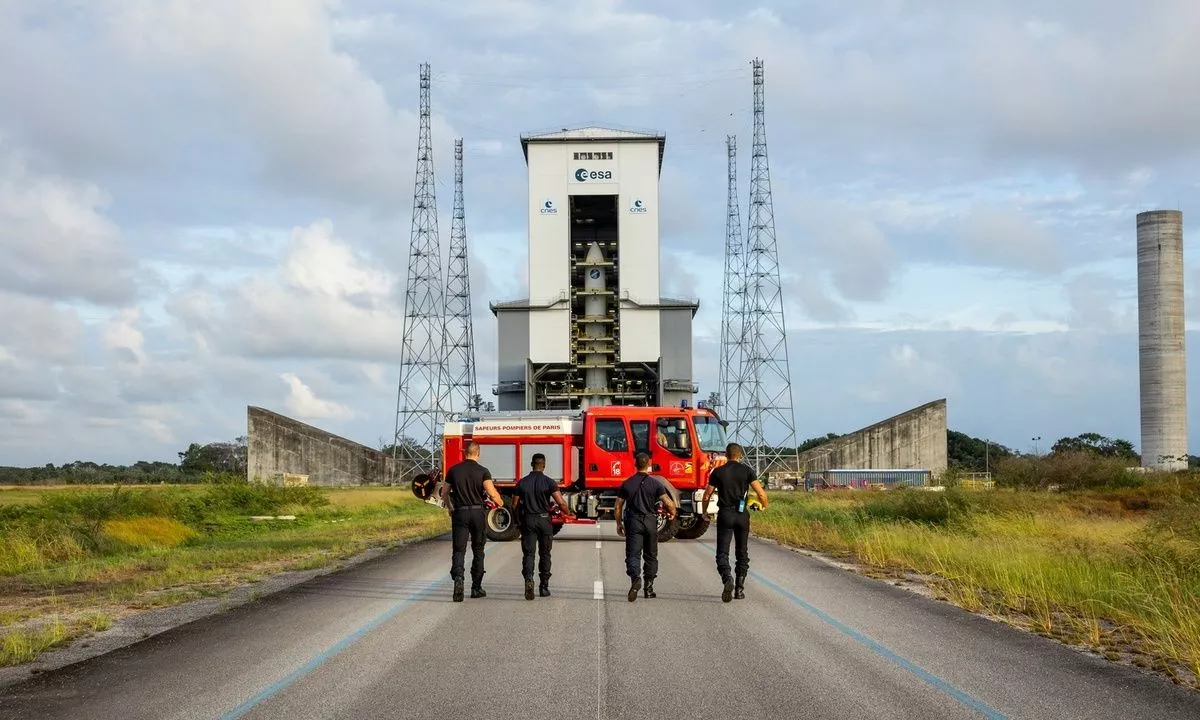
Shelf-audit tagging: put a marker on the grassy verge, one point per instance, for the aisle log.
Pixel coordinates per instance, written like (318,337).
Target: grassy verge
(1116,571)
(74,561)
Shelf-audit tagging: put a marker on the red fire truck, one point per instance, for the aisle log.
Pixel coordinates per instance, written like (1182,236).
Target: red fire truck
(590,452)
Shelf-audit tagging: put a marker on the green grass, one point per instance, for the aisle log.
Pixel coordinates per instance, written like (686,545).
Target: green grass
(1116,570)
(87,556)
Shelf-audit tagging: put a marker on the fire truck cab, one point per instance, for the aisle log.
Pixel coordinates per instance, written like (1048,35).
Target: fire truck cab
(590,453)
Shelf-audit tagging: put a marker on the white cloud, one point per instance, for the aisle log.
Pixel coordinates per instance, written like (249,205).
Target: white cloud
(954,196)
(1004,238)
(55,240)
(324,301)
(123,338)
(303,403)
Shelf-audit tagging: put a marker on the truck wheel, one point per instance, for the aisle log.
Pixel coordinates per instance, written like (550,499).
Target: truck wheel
(500,525)
(666,528)
(695,528)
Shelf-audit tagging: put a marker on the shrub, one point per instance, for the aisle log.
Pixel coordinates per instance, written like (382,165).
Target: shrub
(244,498)
(1066,471)
(933,508)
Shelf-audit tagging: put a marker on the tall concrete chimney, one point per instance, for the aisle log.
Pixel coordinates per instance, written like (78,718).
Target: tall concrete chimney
(1161,353)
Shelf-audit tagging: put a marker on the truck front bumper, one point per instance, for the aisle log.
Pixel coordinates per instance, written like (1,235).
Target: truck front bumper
(693,503)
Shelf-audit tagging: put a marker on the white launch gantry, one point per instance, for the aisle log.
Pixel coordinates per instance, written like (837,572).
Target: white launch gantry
(594,329)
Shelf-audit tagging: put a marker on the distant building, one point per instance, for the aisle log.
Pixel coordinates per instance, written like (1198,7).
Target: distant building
(594,329)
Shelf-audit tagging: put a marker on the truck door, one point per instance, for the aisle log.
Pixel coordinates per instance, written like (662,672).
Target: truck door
(672,450)
(608,459)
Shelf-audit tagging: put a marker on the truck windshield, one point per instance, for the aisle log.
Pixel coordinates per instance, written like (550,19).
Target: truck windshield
(710,433)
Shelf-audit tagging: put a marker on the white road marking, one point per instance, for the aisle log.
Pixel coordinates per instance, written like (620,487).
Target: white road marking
(598,590)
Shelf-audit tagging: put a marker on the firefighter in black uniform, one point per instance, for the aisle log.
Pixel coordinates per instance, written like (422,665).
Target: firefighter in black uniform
(640,492)
(467,485)
(531,502)
(732,481)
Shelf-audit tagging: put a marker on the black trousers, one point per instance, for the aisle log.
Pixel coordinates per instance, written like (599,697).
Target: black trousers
(641,544)
(467,523)
(733,525)
(536,534)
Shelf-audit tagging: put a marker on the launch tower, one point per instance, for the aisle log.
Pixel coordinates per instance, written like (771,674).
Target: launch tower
(594,329)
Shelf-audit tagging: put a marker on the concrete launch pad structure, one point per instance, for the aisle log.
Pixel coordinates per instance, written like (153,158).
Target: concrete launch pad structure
(594,329)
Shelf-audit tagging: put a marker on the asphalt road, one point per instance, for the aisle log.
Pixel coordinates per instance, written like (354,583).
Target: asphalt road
(383,640)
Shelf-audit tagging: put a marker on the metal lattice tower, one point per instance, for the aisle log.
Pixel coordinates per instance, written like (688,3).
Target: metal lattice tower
(422,397)
(460,336)
(765,405)
(730,381)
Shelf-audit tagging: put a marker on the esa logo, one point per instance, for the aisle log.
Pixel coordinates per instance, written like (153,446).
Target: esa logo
(583,175)
(637,207)
(548,208)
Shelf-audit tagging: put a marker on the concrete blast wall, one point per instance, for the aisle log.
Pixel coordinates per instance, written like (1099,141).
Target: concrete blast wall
(1161,355)
(911,440)
(277,444)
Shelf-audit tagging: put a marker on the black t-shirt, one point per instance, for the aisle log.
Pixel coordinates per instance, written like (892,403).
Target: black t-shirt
(731,481)
(641,492)
(534,491)
(466,483)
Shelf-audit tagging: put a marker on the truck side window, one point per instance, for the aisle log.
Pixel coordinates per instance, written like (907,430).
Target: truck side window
(672,435)
(610,435)
(641,435)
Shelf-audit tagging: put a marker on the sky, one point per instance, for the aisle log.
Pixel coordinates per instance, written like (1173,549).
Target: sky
(206,204)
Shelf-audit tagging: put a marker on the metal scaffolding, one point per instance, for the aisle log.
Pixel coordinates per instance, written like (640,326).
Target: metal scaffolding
(460,334)
(764,406)
(422,399)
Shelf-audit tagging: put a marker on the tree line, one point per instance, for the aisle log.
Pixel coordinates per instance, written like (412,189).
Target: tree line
(195,463)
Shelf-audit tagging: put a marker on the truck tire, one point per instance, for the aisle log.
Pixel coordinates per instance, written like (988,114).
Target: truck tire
(500,525)
(695,529)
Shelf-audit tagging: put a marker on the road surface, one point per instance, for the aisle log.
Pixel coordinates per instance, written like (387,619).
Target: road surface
(383,640)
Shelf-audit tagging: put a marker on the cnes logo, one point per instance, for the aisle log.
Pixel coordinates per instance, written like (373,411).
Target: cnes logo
(637,207)
(548,208)
(583,175)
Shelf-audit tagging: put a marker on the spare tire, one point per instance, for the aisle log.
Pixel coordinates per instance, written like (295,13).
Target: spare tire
(424,485)
(694,529)
(667,527)
(500,524)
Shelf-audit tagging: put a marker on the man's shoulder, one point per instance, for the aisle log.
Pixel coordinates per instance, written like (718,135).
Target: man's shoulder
(631,481)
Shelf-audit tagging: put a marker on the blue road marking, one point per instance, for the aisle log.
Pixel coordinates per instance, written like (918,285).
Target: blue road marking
(898,660)
(319,659)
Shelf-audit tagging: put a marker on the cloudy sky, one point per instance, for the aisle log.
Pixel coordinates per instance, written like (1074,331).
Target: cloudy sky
(206,204)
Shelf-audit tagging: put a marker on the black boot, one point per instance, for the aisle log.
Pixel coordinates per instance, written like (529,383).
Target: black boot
(634,587)
(727,591)
(458,591)
(544,589)
(528,589)
(739,592)
(650,588)
(477,591)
